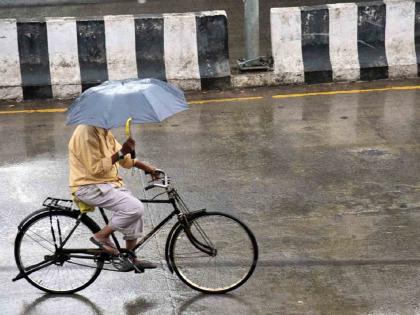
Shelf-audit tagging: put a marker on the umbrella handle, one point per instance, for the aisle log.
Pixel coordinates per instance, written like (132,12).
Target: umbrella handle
(128,127)
(128,134)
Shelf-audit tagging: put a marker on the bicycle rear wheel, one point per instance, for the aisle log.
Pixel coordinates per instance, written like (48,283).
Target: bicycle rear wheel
(234,257)
(35,244)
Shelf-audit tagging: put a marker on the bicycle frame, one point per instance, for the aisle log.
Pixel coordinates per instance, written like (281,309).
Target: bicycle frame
(156,229)
(171,201)
(183,219)
(92,253)
(173,196)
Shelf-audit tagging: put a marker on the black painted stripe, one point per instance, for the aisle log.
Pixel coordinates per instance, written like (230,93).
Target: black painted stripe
(149,48)
(417,36)
(213,51)
(92,53)
(34,61)
(371,41)
(316,45)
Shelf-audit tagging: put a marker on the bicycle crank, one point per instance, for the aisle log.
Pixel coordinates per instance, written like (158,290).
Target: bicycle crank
(124,262)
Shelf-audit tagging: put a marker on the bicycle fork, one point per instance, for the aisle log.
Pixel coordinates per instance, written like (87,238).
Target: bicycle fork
(208,249)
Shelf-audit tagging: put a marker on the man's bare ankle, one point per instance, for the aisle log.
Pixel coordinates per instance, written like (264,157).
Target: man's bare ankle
(100,236)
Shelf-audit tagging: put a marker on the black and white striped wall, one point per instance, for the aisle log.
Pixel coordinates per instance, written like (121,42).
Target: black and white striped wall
(346,42)
(60,57)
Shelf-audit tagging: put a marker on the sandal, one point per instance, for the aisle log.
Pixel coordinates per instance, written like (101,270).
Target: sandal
(105,245)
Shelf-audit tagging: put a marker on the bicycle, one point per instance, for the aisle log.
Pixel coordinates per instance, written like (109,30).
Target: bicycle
(211,252)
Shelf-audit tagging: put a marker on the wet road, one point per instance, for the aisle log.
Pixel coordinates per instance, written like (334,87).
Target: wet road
(328,183)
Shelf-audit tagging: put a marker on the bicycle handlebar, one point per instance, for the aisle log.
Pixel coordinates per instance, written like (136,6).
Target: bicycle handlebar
(165,181)
(149,187)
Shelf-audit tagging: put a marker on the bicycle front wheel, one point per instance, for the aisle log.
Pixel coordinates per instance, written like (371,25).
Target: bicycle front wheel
(229,257)
(36,245)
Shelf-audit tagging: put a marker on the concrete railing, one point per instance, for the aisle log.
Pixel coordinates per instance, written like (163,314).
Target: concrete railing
(346,42)
(60,57)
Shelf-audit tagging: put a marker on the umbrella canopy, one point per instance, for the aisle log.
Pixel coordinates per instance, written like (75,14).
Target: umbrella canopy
(110,104)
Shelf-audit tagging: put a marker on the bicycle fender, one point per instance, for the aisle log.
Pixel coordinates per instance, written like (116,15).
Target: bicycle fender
(85,219)
(30,216)
(168,245)
(196,213)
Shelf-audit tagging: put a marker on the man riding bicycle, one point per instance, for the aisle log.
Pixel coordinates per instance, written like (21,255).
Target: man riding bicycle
(94,159)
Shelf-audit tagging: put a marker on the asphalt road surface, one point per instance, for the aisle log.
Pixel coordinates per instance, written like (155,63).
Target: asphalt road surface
(328,182)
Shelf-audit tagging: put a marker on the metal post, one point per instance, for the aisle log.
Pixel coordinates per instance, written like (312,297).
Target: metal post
(252,29)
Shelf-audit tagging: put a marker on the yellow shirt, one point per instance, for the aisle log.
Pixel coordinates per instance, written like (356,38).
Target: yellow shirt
(90,157)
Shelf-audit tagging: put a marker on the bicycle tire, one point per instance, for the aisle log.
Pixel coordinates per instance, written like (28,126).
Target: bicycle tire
(33,228)
(236,248)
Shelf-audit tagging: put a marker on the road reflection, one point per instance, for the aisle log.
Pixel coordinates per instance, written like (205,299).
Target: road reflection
(218,303)
(139,306)
(57,304)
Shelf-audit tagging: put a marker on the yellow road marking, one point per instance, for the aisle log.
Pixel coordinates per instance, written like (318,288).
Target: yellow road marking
(221,100)
(238,99)
(395,88)
(61,110)
(29,111)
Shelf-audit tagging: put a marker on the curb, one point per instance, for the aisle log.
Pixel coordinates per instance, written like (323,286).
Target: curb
(346,42)
(61,57)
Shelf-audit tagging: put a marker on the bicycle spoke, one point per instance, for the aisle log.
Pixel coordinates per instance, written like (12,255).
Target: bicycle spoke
(203,234)
(38,243)
(192,254)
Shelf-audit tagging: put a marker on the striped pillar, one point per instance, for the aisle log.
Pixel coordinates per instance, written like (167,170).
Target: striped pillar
(213,50)
(316,44)
(286,42)
(34,59)
(64,61)
(10,78)
(399,39)
(92,52)
(371,41)
(120,47)
(150,55)
(181,55)
(343,42)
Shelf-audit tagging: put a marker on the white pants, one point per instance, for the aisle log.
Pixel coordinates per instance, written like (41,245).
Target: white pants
(127,210)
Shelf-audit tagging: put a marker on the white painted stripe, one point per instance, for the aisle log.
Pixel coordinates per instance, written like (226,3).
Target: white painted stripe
(10,76)
(180,47)
(63,55)
(120,47)
(286,39)
(399,39)
(343,42)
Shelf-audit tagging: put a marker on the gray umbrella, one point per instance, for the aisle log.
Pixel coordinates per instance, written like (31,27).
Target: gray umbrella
(110,104)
